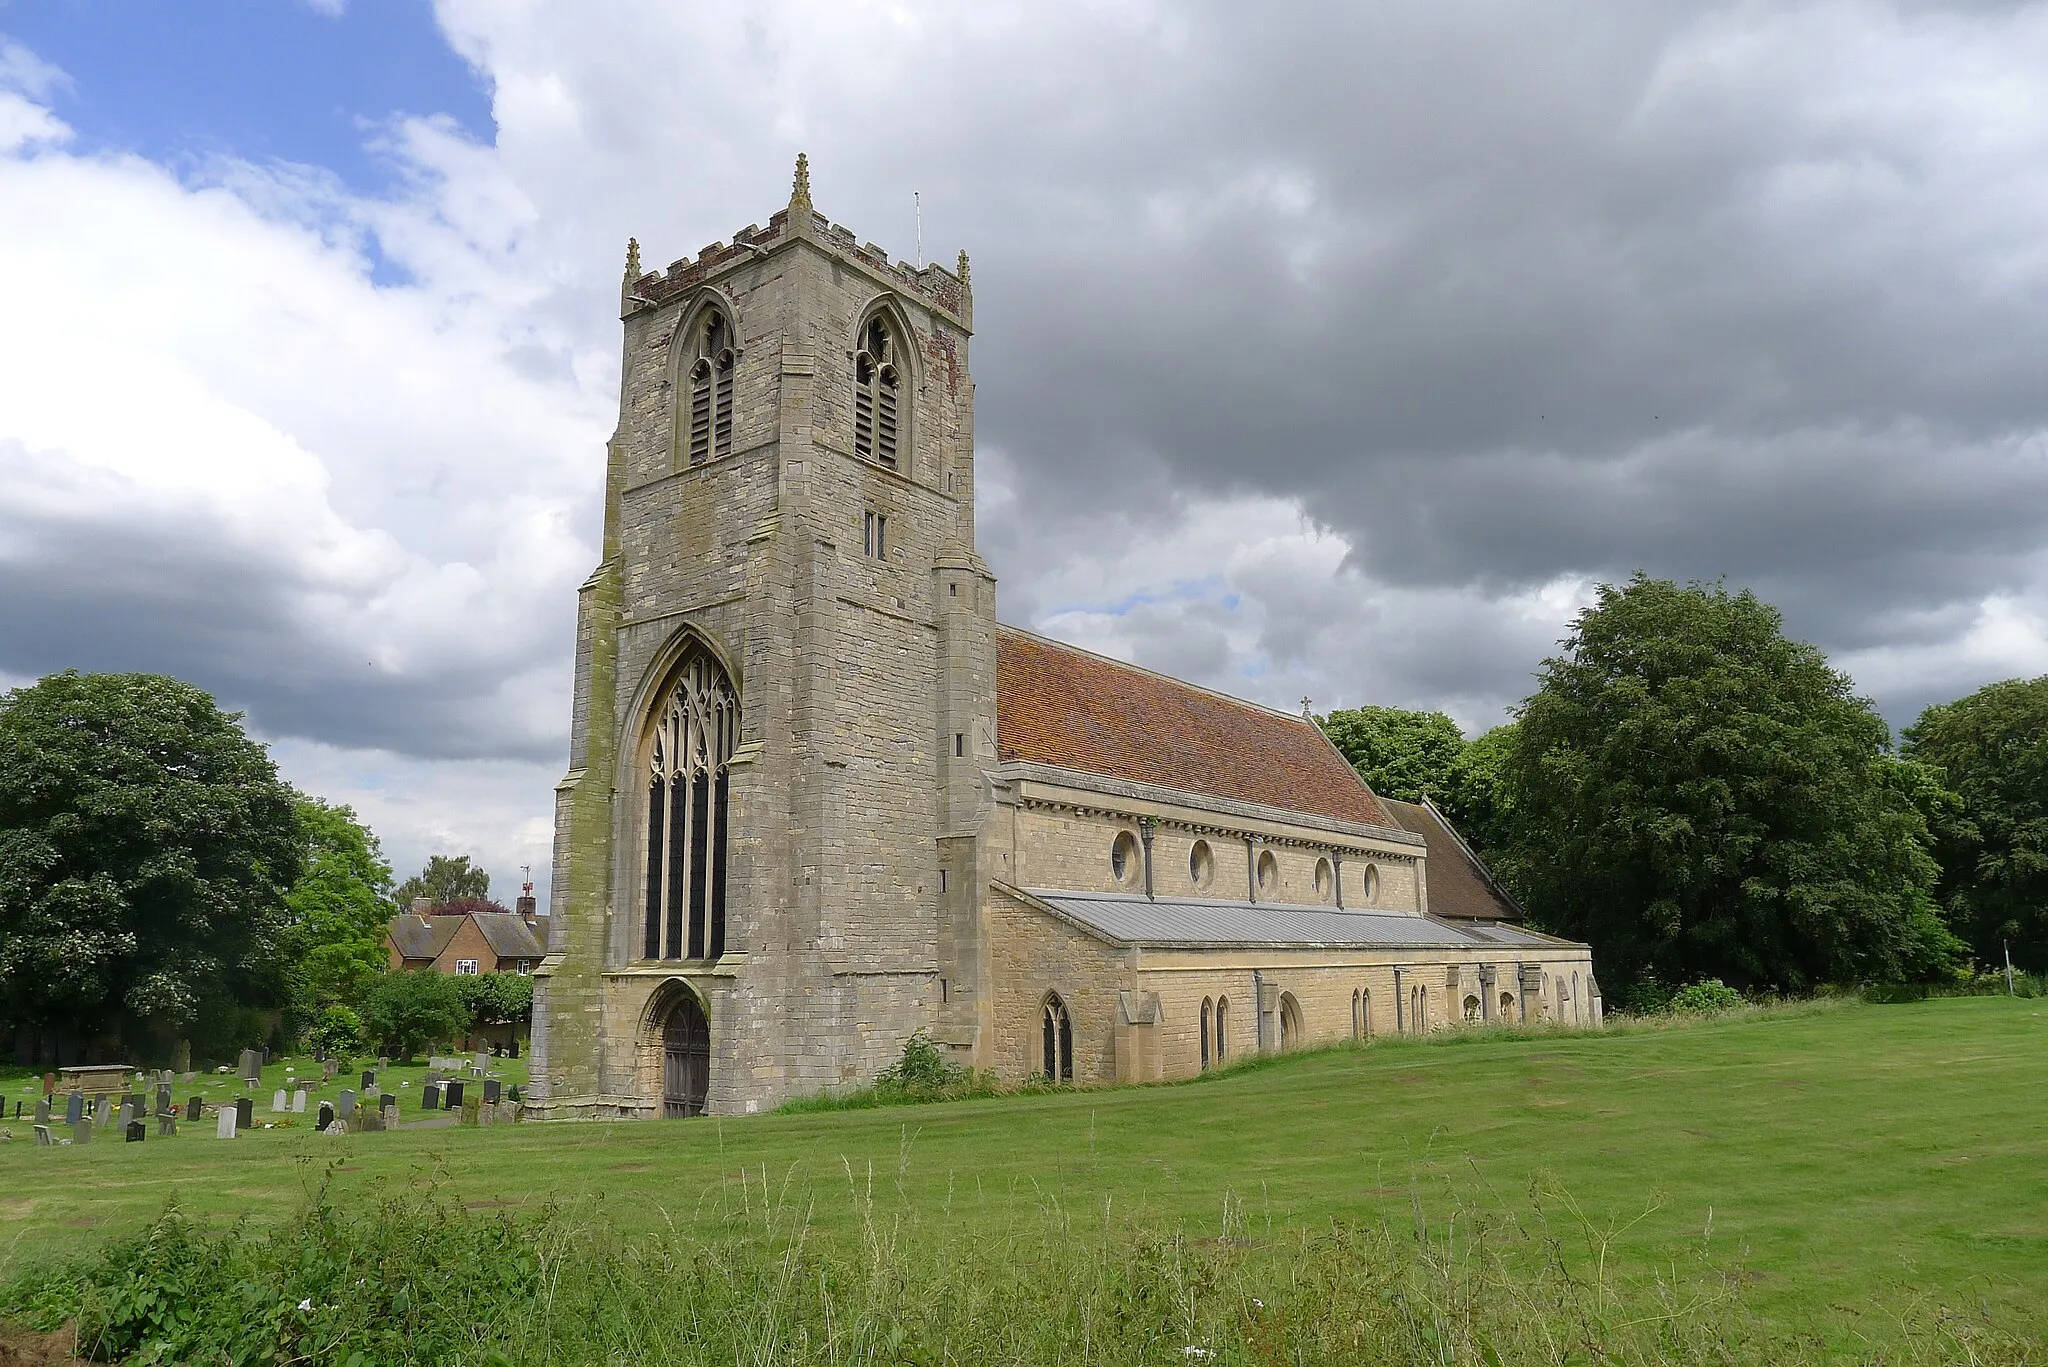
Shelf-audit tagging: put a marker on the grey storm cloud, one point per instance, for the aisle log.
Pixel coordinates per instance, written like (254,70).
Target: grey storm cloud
(1501,295)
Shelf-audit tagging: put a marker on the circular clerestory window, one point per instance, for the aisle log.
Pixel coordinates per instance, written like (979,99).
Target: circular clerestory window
(1201,865)
(1123,859)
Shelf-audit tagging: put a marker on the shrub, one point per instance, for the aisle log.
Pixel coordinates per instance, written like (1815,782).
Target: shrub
(404,1012)
(1706,997)
(338,1031)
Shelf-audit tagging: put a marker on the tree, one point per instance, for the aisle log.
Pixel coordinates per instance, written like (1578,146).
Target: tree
(146,846)
(496,998)
(339,906)
(1475,798)
(1698,796)
(1402,754)
(444,879)
(1992,748)
(404,1012)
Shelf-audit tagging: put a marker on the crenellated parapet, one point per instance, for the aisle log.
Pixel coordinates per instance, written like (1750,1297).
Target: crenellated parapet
(948,291)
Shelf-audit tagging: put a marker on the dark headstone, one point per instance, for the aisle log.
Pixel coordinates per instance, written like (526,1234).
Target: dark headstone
(326,1117)
(386,1102)
(194,1107)
(163,1099)
(453,1097)
(137,1132)
(491,1088)
(369,1078)
(245,1113)
(74,1108)
(430,1097)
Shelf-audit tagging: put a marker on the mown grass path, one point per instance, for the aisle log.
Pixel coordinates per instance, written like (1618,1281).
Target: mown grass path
(1851,1155)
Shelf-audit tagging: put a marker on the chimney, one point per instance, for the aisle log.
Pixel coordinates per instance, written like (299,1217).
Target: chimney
(526,906)
(421,906)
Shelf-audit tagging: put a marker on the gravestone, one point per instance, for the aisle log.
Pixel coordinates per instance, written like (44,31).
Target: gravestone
(452,1098)
(327,1070)
(369,1078)
(484,1112)
(194,1108)
(163,1098)
(134,1108)
(43,1140)
(346,1107)
(491,1087)
(137,1132)
(387,1102)
(326,1116)
(167,1124)
(299,1102)
(277,1101)
(49,1084)
(42,1110)
(430,1097)
(245,1112)
(103,1112)
(250,1067)
(74,1108)
(434,1078)
(81,1133)
(224,1123)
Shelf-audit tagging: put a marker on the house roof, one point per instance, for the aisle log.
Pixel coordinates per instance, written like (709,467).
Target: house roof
(1069,709)
(422,938)
(1460,884)
(510,937)
(1133,919)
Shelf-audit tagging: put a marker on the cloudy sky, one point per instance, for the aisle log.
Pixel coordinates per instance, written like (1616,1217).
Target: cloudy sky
(1327,350)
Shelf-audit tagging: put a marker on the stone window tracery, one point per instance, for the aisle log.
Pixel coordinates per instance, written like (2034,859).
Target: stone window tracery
(695,733)
(708,430)
(877,384)
(1057,1040)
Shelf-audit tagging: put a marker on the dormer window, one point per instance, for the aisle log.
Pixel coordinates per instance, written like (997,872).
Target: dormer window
(709,374)
(877,381)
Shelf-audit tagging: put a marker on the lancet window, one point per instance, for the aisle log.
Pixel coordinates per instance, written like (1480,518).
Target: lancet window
(877,385)
(695,732)
(709,374)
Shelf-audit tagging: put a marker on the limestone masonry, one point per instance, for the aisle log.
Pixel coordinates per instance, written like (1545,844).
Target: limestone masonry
(818,800)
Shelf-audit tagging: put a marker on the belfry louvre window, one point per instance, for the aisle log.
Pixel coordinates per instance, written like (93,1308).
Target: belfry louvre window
(877,381)
(695,731)
(710,380)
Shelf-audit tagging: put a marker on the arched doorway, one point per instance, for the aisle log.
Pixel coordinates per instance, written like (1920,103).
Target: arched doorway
(685,1059)
(1290,1022)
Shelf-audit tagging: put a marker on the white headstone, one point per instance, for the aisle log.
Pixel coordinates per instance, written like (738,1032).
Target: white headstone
(277,1101)
(224,1128)
(299,1102)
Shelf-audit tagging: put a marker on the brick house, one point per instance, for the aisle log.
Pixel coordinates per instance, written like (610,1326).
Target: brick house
(466,942)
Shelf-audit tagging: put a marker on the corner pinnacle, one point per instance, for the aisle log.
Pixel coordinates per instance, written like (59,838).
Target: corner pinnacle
(966,279)
(632,259)
(800,192)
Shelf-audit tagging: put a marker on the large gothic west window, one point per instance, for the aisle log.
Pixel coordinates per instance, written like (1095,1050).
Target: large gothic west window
(877,382)
(696,727)
(709,375)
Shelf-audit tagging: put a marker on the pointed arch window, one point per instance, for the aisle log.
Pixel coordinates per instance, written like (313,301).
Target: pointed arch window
(709,368)
(1056,1033)
(877,392)
(696,729)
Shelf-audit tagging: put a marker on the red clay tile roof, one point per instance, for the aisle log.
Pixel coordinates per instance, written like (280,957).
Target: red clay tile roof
(1063,707)
(1459,885)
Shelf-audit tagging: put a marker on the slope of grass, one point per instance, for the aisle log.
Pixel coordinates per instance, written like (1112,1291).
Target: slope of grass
(1853,1163)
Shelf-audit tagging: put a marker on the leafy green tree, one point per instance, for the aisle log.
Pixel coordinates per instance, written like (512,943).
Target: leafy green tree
(405,1012)
(339,906)
(1698,796)
(1475,798)
(1992,748)
(496,998)
(1402,754)
(444,879)
(146,846)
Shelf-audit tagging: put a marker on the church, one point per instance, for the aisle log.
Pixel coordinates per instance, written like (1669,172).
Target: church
(819,799)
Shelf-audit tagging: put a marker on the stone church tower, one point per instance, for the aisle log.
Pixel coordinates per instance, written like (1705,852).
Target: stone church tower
(765,868)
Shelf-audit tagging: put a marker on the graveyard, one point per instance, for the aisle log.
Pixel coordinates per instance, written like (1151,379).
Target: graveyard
(257,1100)
(1852,1165)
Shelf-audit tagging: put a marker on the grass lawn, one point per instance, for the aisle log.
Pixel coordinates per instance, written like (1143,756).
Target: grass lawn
(1849,1158)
